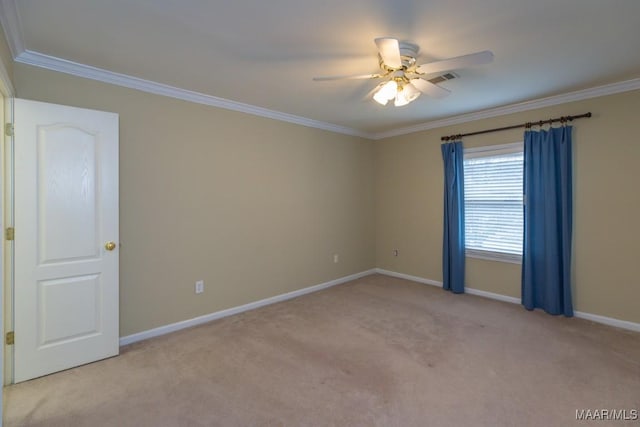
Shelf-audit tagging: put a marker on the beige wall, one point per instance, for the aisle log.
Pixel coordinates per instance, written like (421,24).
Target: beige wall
(255,207)
(606,209)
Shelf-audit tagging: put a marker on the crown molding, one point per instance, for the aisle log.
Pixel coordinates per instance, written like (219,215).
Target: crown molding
(579,95)
(94,73)
(69,67)
(10,20)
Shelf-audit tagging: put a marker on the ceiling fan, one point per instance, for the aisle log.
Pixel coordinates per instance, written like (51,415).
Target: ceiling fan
(404,80)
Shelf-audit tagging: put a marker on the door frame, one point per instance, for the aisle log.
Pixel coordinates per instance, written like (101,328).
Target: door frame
(6,249)
(7,92)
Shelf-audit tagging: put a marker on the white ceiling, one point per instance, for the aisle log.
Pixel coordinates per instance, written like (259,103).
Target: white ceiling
(265,53)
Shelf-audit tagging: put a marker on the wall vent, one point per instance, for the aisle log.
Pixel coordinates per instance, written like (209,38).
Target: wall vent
(444,77)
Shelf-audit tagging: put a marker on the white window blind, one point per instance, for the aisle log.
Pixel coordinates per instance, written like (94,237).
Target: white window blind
(493,202)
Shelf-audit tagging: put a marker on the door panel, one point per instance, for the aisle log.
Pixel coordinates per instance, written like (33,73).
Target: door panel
(57,321)
(66,209)
(67,203)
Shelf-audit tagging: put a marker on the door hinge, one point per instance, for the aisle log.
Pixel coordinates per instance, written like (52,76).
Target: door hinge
(8,129)
(10,233)
(10,338)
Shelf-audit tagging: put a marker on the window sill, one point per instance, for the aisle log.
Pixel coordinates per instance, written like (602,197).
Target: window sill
(494,256)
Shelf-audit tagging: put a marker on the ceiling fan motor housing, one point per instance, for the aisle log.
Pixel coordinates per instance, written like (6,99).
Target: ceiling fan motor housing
(408,55)
(409,49)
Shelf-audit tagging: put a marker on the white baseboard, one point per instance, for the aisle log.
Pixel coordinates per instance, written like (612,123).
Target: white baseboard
(408,277)
(129,339)
(623,324)
(467,290)
(162,330)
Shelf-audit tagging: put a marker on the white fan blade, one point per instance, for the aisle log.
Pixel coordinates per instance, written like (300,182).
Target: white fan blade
(429,88)
(389,51)
(348,77)
(464,61)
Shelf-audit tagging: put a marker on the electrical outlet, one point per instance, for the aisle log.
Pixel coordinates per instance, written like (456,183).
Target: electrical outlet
(336,258)
(199,286)
(396,252)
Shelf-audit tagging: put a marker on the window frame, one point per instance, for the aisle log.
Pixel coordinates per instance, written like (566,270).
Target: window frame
(488,151)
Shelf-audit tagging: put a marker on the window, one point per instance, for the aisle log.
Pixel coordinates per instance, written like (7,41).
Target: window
(493,202)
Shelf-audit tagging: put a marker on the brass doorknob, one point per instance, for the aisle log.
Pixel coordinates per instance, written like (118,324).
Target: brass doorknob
(110,246)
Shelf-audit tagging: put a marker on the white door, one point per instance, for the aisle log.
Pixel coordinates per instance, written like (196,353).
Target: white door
(66,237)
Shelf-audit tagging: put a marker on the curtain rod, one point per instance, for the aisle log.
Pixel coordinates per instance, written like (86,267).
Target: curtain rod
(527,125)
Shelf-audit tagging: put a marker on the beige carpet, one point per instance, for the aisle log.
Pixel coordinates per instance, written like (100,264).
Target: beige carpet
(377,351)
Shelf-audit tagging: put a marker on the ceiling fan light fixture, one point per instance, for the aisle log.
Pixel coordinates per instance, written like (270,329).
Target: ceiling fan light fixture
(411,92)
(405,95)
(386,92)
(401,99)
(380,98)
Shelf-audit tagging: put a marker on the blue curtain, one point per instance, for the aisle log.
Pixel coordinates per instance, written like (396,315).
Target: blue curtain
(546,263)
(453,236)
